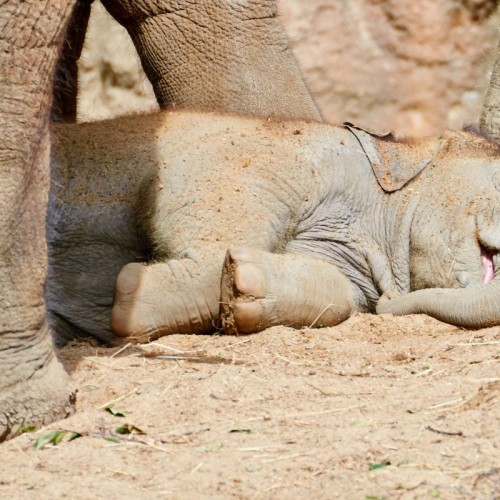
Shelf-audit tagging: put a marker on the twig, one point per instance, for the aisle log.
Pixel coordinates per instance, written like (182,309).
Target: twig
(133,391)
(237,343)
(287,457)
(322,312)
(166,347)
(306,414)
(446,403)
(493,342)
(325,393)
(284,359)
(451,267)
(120,472)
(98,361)
(126,346)
(196,468)
(445,433)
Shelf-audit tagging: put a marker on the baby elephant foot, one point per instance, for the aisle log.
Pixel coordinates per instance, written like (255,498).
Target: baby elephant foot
(132,315)
(164,298)
(243,290)
(260,289)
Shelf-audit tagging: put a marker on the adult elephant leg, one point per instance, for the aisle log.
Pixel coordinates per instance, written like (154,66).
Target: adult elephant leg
(217,55)
(33,385)
(470,307)
(64,107)
(260,289)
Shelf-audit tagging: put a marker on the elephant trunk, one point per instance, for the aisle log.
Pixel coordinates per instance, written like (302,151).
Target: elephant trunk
(489,121)
(471,307)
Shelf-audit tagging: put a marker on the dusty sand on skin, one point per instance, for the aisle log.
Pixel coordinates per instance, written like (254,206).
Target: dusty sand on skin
(280,414)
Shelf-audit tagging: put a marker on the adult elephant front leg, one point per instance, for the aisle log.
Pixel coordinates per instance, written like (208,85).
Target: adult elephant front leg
(224,55)
(33,385)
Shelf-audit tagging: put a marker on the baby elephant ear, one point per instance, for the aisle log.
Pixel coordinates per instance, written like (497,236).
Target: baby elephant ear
(394,162)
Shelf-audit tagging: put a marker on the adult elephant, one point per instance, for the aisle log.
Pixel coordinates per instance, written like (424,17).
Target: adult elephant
(209,54)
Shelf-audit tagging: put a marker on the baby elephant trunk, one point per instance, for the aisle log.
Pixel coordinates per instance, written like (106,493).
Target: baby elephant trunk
(470,307)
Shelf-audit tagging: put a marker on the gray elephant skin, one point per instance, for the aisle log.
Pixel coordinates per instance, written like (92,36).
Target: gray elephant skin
(208,54)
(249,223)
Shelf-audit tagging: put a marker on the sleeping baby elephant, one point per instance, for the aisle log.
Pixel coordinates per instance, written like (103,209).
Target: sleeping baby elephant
(183,221)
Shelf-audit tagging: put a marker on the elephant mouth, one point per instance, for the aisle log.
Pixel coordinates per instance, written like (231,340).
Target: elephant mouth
(488,258)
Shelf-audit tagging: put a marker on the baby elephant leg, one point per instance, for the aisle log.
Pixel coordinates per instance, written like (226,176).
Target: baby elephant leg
(176,296)
(261,289)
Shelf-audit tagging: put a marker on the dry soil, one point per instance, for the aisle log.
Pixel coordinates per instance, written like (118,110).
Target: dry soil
(378,407)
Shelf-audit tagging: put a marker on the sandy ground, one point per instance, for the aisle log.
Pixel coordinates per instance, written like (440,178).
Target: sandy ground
(378,407)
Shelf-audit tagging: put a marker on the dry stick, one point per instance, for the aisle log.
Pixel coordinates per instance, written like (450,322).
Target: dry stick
(133,391)
(137,442)
(445,433)
(308,414)
(196,468)
(126,346)
(166,347)
(285,359)
(287,457)
(451,267)
(98,361)
(477,343)
(321,313)
(446,403)
(325,393)
(271,488)
(120,472)
(237,343)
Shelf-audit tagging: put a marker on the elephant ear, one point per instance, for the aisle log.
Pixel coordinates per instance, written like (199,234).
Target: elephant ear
(395,162)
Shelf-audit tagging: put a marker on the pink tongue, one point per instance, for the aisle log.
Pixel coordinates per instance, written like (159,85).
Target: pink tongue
(489,269)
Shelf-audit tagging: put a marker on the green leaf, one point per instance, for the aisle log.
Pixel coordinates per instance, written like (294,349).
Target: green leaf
(242,431)
(112,439)
(58,437)
(23,429)
(116,412)
(91,388)
(379,465)
(129,429)
(55,438)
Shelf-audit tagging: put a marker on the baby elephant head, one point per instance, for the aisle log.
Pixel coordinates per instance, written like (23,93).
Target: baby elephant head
(453,187)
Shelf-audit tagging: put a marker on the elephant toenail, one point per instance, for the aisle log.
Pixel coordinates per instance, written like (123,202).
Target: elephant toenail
(250,280)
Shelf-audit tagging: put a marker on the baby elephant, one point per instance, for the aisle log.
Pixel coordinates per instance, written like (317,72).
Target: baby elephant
(204,220)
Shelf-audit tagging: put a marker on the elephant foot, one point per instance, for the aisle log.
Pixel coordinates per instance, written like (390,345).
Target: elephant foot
(35,390)
(164,298)
(243,291)
(130,315)
(260,290)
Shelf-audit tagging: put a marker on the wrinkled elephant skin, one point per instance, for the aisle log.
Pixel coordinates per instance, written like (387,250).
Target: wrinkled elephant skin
(255,223)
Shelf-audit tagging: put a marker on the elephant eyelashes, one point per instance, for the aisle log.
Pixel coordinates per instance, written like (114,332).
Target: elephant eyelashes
(488,265)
